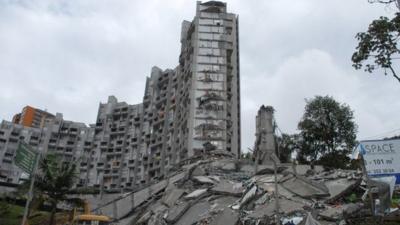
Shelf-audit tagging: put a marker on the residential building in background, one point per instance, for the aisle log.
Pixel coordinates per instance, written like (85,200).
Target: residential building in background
(58,136)
(186,112)
(32,117)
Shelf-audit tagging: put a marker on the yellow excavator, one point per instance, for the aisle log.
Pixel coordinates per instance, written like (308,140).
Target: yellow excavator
(87,218)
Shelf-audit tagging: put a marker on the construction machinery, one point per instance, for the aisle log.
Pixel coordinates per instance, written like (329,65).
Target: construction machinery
(87,218)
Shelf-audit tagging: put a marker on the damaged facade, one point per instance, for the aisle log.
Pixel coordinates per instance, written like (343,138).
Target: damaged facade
(265,147)
(185,112)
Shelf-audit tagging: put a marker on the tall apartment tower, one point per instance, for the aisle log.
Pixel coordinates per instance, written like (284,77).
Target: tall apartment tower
(210,88)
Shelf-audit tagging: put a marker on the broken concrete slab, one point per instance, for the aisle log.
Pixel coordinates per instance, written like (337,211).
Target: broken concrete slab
(302,169)
(227,217)
(261,211)
(332,213)
(198,171)
(253,192)
(268,209)
(158,207)
(351,208)
(121,205)
(249,195)
(215,178)
(305,188)
(194,214)
(177,211)
(217,164)
(311,221)
(338,187)
(230,166)
(267,178)
(223,202)
(221,212)
(226,187)
(156,219)
(270,188)
(143,219)
(263,199)
(269,169)
(172,196)
(196,194)
(247,168)
(288,206)
(203,180)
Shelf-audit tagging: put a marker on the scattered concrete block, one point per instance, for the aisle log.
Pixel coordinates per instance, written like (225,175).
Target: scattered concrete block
(176,212)
(203,180)
(226,187)
(305,188)
(194,214)
(338,187)
(172,195)
(196,193)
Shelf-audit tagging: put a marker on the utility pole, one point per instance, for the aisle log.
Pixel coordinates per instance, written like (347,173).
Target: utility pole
(369,188)
(265,147)
(276,161)
(30,193)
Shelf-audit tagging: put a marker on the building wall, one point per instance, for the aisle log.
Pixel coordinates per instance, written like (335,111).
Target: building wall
(61,137)
(211,50)
(10,136)
(265,144)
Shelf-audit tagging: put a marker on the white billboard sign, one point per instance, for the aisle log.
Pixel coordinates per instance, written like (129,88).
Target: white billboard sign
(381,157)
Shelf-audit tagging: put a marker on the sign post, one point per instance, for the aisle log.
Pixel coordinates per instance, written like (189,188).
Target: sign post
(371,200)
(381,158)
(27,159)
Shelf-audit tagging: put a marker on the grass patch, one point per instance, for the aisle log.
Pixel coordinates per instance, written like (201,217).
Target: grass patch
(14,215)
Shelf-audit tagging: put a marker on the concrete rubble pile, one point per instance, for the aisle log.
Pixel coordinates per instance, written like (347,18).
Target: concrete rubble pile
(223,190)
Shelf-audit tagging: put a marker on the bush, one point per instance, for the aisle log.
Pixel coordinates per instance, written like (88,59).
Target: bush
(4,208)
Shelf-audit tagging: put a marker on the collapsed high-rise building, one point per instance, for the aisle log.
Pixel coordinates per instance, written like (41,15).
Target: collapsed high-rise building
(265,150)
(185,112)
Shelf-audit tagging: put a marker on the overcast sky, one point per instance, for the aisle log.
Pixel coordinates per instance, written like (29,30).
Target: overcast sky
(67,56)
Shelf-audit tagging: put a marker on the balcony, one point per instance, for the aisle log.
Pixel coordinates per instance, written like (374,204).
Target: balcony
(208,126)
(208,138)
(209,97)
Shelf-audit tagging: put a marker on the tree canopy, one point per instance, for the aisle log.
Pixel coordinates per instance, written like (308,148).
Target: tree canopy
(54,181)
(378,46)
(326,129)
(287,144)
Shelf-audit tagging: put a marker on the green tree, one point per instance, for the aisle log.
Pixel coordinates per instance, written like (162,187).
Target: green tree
(287,144)
(247,155)
(383,1)
(54,181)
(327,130)
(378,46)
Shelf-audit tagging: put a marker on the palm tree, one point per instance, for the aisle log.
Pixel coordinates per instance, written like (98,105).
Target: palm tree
(55,180)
